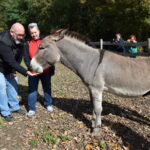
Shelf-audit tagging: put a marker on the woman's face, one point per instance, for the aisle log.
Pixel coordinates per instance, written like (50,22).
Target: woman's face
(132,38)
(34,33)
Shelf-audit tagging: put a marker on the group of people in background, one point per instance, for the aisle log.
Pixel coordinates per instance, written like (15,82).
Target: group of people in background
(121,48)
(13,47)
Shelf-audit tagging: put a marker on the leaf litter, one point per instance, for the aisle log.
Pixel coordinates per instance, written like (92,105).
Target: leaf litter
(125,121)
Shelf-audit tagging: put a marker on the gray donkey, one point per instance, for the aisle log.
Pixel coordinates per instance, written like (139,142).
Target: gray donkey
(100,70)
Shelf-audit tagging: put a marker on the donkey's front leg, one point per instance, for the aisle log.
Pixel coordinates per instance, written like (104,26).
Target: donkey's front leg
(97,108)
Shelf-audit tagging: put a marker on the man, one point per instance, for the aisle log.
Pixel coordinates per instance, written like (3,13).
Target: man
(11,52)
(119,39)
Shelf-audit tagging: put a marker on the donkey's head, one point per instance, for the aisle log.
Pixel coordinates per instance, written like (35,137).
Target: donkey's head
(48,52)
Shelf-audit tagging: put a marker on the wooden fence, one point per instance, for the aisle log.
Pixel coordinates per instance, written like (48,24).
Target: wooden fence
(146,44)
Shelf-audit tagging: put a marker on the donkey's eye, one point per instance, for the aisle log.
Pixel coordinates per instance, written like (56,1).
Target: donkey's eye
(41,48)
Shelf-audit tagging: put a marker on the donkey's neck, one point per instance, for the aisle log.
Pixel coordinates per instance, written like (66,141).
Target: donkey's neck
(79,57)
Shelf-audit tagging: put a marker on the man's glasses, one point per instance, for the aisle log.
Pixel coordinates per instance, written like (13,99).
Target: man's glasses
(20,35)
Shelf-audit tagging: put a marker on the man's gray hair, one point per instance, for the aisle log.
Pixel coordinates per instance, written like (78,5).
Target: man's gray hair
(32,25)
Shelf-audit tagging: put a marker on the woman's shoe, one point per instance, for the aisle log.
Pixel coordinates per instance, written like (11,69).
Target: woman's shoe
(50,108)
(31,113)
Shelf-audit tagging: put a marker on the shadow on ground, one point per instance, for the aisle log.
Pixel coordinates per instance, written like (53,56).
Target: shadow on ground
(80,106)
(129,137)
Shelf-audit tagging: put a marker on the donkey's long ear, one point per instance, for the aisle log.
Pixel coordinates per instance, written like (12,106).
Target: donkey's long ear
(59,34)
(63,32)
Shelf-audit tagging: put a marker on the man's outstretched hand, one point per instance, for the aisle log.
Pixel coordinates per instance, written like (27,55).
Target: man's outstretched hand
(32,73)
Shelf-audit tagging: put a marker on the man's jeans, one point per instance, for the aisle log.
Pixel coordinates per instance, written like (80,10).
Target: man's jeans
(33,90)
(8,94)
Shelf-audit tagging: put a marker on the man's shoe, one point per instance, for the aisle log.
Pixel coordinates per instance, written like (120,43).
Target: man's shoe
(20,111)
(50,108)
(9,118)
(31,113)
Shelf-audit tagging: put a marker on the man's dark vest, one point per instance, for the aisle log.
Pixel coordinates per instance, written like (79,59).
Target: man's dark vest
(18,50)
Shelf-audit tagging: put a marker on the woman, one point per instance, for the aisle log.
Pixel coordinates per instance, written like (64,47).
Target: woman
(132,49)
(45,77)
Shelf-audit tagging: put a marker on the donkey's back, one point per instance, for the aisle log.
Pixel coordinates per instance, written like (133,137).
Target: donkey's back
(124,76)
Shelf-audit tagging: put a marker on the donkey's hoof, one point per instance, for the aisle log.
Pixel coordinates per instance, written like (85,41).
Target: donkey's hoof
(96,132)
(93,123)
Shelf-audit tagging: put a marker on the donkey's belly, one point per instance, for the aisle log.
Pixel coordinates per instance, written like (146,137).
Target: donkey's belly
(137,86)
(127,92)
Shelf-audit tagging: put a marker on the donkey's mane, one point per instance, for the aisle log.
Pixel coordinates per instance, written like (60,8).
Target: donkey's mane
(77,36)
(72,34)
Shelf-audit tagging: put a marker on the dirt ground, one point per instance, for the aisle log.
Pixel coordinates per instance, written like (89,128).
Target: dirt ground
(125,121)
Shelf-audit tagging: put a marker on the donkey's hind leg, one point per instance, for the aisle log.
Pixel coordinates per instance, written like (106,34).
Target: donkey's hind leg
(97,108)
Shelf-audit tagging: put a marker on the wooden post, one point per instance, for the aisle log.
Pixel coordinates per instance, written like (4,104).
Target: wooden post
(148,45)
(101,43)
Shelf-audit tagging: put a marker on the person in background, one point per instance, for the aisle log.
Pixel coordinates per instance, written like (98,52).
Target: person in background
(132,49)
(11,51)
(45,77)
(119,39)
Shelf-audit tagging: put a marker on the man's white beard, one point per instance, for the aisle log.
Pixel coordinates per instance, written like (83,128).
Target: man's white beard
(17,41)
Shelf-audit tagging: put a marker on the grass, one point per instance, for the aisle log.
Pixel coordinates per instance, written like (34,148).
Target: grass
(49,138)
(37,132)
(1,126)
(64,138)
(33,142)
(59,91)
(2,120)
